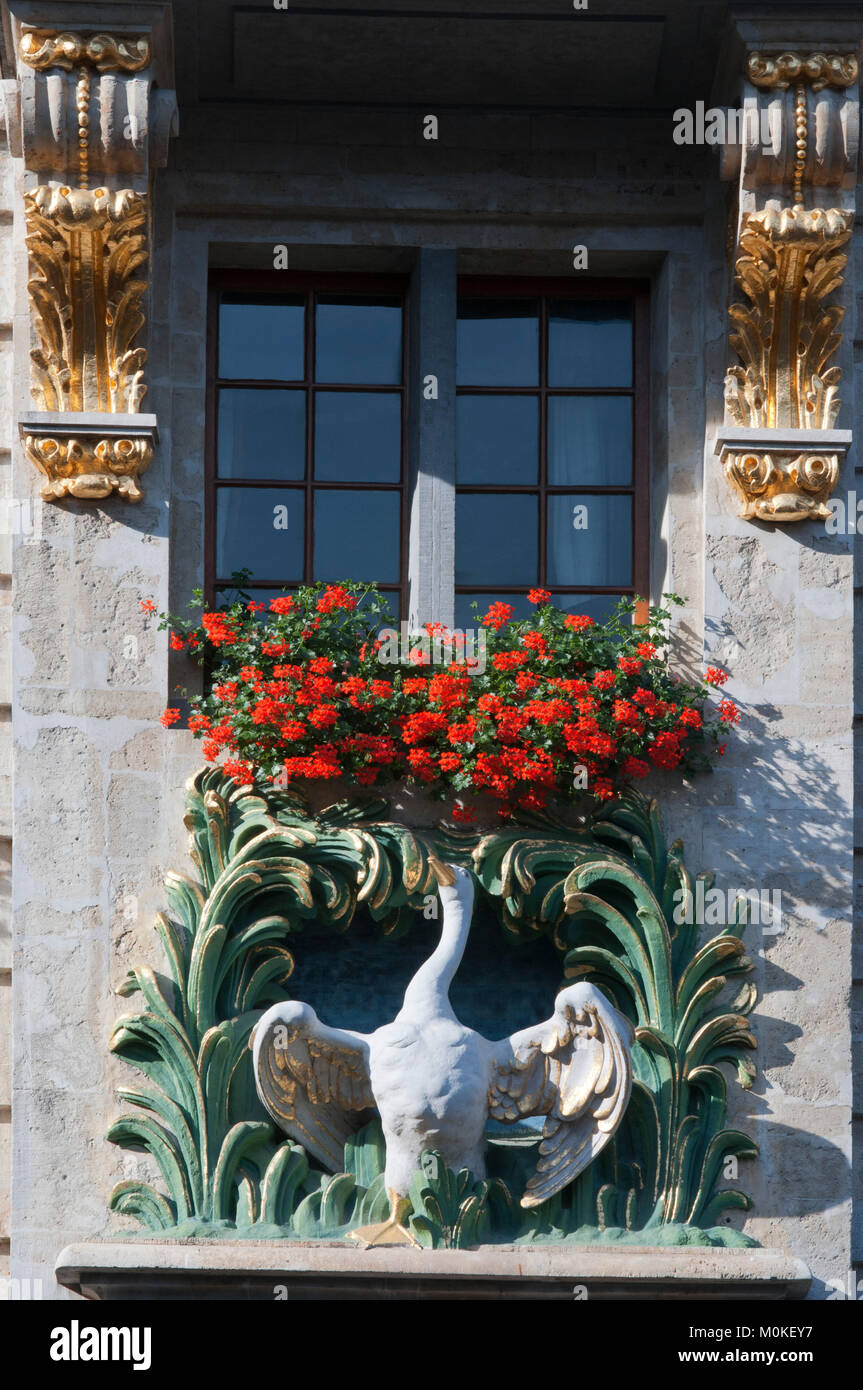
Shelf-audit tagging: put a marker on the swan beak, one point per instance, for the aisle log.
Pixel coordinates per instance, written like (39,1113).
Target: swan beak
(444,874)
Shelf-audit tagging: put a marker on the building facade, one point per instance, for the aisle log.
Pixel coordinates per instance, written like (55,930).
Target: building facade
(345,292)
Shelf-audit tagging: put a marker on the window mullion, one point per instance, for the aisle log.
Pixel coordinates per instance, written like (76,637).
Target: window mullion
(432,437)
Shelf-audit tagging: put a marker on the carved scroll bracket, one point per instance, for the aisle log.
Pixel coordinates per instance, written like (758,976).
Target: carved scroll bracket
(796,171)
(783,475)
(96,114)
(89,456)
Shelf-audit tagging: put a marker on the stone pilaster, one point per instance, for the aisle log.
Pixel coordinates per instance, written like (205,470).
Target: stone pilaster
(795,168)
(92,111)
(778,608)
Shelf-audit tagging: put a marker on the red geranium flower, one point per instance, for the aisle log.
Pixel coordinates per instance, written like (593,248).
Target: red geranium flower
(498,615)
(506,661)
(333,597)
(714,675)
(690,719)
(218,629)
(324,717)
(240,771)
(535,642)
(665,750)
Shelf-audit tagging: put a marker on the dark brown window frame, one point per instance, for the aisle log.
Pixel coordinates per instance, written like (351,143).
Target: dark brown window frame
(636,293)
(308,284)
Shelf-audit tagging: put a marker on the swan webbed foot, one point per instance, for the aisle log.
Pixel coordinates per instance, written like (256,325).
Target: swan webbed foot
(390,1232)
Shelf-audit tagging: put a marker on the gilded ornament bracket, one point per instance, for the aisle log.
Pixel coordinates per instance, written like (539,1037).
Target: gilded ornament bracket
(792,224)
(80,456)
(783,475)
(93,128)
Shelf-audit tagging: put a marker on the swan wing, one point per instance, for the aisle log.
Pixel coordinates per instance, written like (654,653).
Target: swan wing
(575,1069)
(313,1080)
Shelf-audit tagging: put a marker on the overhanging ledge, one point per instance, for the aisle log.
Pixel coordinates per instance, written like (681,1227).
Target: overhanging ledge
(257,1269)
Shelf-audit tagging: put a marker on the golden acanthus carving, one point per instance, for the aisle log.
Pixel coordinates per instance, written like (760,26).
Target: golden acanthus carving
(785,336)
(87,247)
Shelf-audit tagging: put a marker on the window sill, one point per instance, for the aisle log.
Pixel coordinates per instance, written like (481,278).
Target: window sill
(267,1270)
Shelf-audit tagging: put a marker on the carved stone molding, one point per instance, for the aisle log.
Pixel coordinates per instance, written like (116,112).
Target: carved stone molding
(792,222)
(45,48)
(783,475)
(96,110)
(89,456)
(817,70)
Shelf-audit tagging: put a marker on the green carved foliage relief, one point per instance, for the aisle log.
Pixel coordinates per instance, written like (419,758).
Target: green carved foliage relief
(602,892)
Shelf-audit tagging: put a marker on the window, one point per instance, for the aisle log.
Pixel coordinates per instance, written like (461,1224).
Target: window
(307,435)
(307,452)
(550,451)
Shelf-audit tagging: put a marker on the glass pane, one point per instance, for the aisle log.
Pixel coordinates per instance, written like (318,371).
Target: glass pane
(465,617)
(590,343)
(589,540)
(498,342)
(359,340)
(589,441)
(357,536)
(600,607)
(262,434)
(260,529)
(496,539)
(261,338)
(358,436)
(497,439)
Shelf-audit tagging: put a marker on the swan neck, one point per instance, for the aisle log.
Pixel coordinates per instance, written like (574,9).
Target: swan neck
(430,986)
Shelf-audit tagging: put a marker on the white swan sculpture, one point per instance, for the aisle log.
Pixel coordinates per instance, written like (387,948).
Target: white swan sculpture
(435,1083)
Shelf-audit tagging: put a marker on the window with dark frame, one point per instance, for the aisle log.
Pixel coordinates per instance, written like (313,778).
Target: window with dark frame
(307,438)
(551,454)
(307,435)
